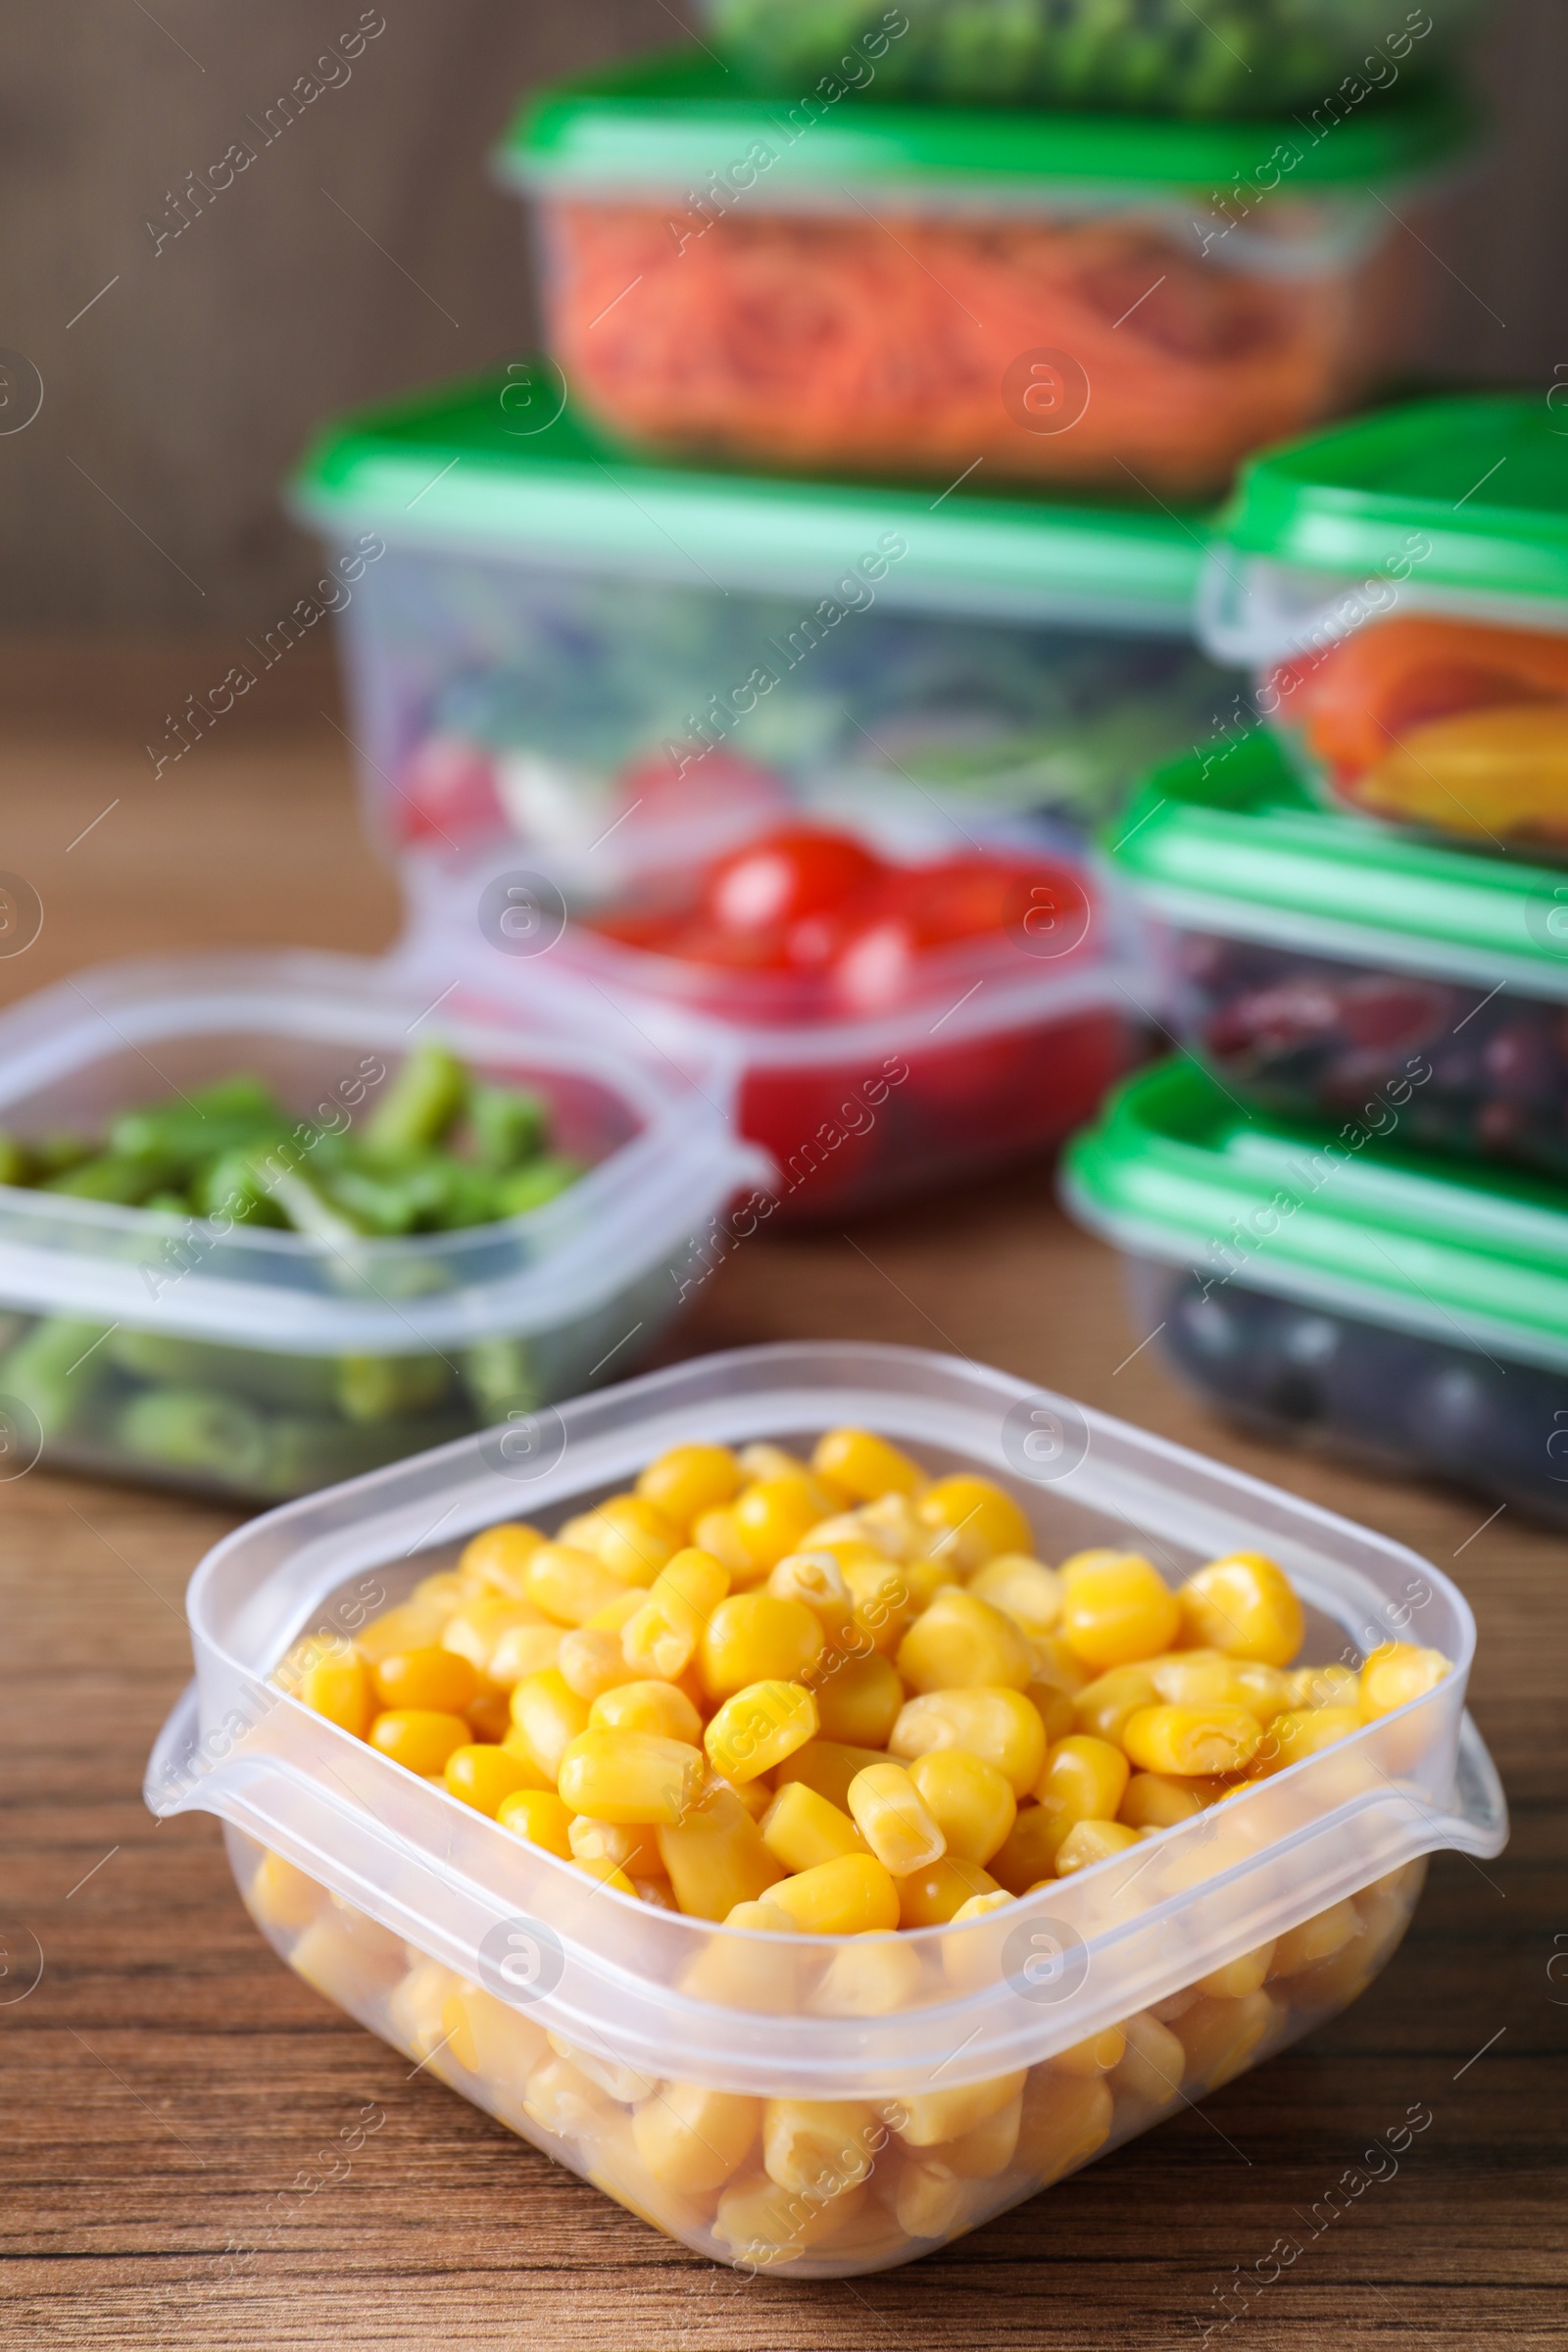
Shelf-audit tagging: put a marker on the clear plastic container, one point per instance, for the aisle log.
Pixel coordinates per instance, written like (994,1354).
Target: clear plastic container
(994,1049)
(249,1363)
(582,2018)
(1320,966)
(550,642)
(1400,586)
(1342,1290)
(1238,59)
(1128,304)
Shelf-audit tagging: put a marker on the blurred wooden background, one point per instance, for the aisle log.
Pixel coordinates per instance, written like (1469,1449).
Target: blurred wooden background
(365,250)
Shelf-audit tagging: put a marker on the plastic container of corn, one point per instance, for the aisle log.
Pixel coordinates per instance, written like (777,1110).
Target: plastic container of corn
(242,1360)
(1399,587)
(1123,303)
(551,641)
(835,2117)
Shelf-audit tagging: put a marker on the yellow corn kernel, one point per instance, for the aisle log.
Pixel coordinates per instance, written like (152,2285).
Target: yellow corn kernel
(338,1686)
(607,1874)
(821,2145)
(410,1625)
(1398,1673)
(1028,1853)
(926,2117)
(688,1480)
(1156,1801)
(1084,1779)
(987,2148)
(447,1587)
(489,1713)
(869,1975)
(1301,1733)
(415,2009)
(1239,1976)
(717,1532)
(1119,1612)
(801,1829)
(561,2100)
(766,2227)
(538,1815)
(1206,1677)
(652,1887)
(893,1523)
(857,1699)
(524,1649)
(281,1896)
(757,1637)
(592,1661)
(690,2137)
(1078,1563)
(887,1810)
(1104,1707)
(883,1601)
(1316,1939)
(1151,2069)
(999,1726)
(816,1579)
(772,1516)
(631,1847)
(630,1777)
(930,1896)
(928,2199)
(662,1708)
(1054,1709)
(1192,1740)
(484,1777)
(1246,1606)
(1323,1687)
(494,1561)
(759,1726)
(714,1858)
(660,1637)
(971,1520)
(981,1906)
(828,1766)
(1056,1664)
(845,1897)
(475,1630)
(547,1715)
(426,1679)
(960,1641)
(865,1466)
(419,1737)
(927,1578)
(489,2039)
(1095,2056)
(630,1535)
(968,1799)
(1220,2038)
(1030,1592)
(1091,1841)
(570,1585)
(755,1795)
(617,1614)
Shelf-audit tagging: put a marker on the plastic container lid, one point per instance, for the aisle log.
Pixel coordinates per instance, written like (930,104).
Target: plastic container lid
(672,1159)
(1175,1169)
(1484,481)
(673,118)
(1243,850)
(473,465)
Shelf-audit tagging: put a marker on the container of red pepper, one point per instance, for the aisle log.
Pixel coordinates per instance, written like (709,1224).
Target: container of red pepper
(890,1024)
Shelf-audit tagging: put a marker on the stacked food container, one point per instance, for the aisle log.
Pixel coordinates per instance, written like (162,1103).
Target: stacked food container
(1351,1205)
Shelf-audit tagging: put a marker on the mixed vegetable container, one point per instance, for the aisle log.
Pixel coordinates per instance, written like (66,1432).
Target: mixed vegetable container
(322,1242)
(645,1805)
(1125,303)
(601,654)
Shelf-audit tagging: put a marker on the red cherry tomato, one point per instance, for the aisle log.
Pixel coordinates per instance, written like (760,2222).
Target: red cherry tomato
(964,897)
(798,871)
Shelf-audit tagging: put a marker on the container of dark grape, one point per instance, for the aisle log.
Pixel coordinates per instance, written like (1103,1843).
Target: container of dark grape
(1339,1286)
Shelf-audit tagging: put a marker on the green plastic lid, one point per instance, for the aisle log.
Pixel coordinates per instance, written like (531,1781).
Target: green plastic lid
(505,465)
(1484,481)
(675,117)
(1229,841)
(1176,1170)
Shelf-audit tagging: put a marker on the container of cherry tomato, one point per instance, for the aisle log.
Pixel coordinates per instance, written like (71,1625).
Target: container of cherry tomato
(891,1023)
(1329,969)
(1237,58)
(1340,1289)
(1106,303)
(549,641)
(1400,586)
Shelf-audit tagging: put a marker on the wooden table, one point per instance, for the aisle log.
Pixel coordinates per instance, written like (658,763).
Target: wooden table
(168,2079)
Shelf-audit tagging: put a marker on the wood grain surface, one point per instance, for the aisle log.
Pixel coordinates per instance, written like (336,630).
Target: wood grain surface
(167,2080)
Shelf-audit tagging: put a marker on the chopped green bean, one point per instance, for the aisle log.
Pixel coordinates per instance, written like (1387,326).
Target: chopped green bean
(298,1383)
(56,1370)
(194,1429)
(120,1177)
(500,1377)
(422,1101)
(233,1185)
(15,1165)
(530,1188)
(508,1126)
(378,1387)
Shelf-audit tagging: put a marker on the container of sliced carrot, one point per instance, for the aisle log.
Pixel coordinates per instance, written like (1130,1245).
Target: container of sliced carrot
(1122,302)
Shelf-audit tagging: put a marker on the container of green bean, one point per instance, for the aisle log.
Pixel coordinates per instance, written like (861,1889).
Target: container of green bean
(268,1222)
